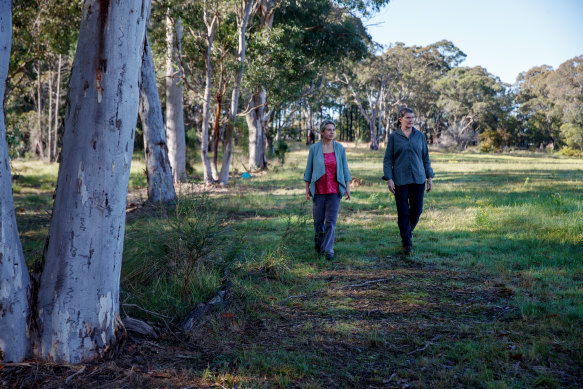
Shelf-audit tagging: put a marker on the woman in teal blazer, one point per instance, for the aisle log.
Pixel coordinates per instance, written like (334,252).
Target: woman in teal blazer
(327,179)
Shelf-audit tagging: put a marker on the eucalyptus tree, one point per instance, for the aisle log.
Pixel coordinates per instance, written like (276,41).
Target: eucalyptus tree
(470,99)
(295,59)
(72,313)
(567,90)
(175,131)
(367,83)
(14,279)
(543,114)
(158,169)
(244,10)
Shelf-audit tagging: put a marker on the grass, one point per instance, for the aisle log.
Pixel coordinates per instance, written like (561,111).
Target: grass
(491,296)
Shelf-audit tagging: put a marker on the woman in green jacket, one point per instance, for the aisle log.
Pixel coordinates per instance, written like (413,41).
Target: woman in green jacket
(407,168)
(327,179)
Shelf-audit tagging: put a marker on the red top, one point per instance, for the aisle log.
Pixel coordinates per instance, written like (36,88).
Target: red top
(327,183)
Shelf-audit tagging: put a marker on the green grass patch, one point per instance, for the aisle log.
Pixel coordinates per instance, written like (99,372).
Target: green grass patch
(491,296)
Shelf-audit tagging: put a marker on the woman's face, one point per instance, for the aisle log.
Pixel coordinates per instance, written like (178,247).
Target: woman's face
(407,121)
(329,132)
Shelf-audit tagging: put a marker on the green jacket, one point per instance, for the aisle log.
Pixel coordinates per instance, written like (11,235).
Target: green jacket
(407,159)
(315,167)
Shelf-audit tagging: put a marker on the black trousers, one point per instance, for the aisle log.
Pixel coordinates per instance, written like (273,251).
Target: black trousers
(409,199)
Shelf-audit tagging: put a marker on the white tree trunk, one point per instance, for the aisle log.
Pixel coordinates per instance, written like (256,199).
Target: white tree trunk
(38,143)
(50,118)
(78,301)
(228,145)
(256,121)
(14,279)
(57,105)
(158,171)
(204,135)
(174,102)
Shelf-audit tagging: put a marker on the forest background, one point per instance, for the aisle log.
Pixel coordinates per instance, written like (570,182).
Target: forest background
(312,60)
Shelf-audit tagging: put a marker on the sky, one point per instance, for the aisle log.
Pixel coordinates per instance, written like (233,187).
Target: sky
(504,36)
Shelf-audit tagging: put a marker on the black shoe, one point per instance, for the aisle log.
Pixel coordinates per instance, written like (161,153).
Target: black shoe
(329,256)
(407,250)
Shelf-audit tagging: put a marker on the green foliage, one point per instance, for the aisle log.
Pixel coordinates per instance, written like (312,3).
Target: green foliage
(569,152)
(280,149)
(180,264)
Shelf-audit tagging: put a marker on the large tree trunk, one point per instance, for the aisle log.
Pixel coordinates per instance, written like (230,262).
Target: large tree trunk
(204,136)
(158,171)
(242,21)
(14,279)
(174,102)
(78,300)
(255,121)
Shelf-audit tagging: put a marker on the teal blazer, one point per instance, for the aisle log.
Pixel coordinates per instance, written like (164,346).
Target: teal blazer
(315,167)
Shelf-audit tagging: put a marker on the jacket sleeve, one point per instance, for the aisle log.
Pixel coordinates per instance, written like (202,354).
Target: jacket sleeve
(347,176)
(426,162)
(388,160)
(309,166)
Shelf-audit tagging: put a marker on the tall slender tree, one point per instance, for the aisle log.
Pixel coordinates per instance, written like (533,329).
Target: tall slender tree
(174,99)
(158,170)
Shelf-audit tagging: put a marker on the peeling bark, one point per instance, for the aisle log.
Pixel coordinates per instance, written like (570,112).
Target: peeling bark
(78,301)
(14,278)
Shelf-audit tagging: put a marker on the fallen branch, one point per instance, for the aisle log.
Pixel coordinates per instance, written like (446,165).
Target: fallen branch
(221,299)
(139,327)
(368,283)
(424,347)
(69,378)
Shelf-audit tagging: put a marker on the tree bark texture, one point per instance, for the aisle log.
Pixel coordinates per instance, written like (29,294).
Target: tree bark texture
(174,101)
(78,300)
(14,279)
(158,171)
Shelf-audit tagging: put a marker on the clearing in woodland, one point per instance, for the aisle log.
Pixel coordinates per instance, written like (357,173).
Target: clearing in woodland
(492,295)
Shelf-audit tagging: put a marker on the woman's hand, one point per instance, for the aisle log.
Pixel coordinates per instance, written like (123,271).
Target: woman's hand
(308,193)
(347,193)
(392,186)
(429,184)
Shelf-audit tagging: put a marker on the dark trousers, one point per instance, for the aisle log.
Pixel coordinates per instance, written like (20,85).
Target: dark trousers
(409,199)
(325,215)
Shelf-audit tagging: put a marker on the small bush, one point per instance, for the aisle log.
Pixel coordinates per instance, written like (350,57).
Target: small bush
(176,260)
(569,152)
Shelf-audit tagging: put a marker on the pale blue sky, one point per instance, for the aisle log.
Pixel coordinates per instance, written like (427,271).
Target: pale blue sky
(504,36)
